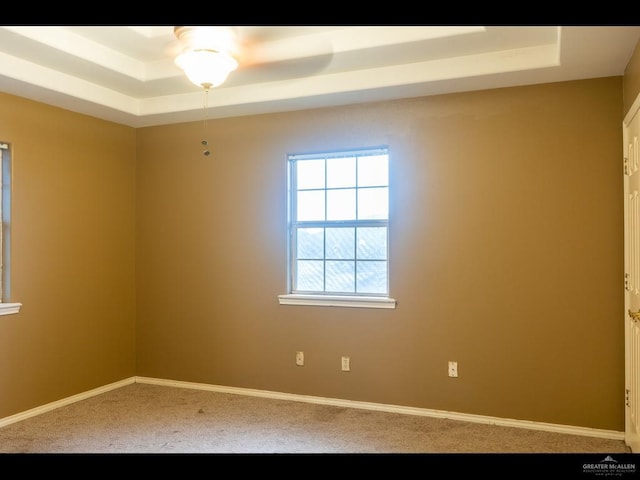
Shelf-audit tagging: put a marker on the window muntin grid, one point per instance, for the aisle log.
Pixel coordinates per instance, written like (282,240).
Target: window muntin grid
(339,213)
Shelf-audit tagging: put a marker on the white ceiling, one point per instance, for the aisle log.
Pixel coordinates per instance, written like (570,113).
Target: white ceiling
(127,74)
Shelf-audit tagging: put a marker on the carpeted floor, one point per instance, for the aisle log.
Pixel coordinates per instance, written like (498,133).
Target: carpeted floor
(144,418)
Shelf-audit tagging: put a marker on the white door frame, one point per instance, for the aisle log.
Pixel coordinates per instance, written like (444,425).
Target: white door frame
(631,172)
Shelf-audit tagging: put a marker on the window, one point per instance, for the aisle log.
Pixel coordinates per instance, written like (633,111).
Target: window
(5,211)
(338,252)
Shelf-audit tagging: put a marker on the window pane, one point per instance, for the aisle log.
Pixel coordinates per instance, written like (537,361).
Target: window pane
(340,276)
(373,171)
(340,243)
(373,203)
(310,174)
(310,275)
(372,277)
(311,205)
(310,243)
(341,204)
(339,209)
(372,243)
(341,172)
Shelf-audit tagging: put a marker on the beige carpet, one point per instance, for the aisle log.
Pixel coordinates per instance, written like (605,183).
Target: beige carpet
(152,419)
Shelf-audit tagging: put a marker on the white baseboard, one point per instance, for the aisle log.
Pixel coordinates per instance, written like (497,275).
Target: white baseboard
(426,412)
(65,401)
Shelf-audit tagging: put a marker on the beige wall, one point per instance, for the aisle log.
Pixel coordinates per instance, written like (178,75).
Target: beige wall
(631,85)
(72,256)
(506,256)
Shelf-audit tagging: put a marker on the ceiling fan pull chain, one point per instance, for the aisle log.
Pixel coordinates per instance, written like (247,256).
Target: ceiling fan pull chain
(206,151)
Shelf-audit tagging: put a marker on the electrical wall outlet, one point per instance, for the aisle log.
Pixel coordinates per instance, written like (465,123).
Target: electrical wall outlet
(453,369)
(300,358)
(346,364)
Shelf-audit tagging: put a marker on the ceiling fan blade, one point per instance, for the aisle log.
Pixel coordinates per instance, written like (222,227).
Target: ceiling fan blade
(281,44)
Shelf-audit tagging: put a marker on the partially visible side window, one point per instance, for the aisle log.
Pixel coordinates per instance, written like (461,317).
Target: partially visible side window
(338,211)
(6,306)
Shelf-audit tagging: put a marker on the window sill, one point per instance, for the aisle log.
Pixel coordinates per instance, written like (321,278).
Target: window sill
(9,308)
(337,301)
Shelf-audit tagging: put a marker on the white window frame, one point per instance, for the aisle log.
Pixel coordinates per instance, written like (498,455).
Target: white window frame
(326,299)
(6,307)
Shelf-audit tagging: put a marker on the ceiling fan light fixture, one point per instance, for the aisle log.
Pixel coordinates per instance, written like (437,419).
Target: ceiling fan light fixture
(206,68)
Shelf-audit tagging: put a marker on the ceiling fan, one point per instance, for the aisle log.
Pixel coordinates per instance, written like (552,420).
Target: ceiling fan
(209,54)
